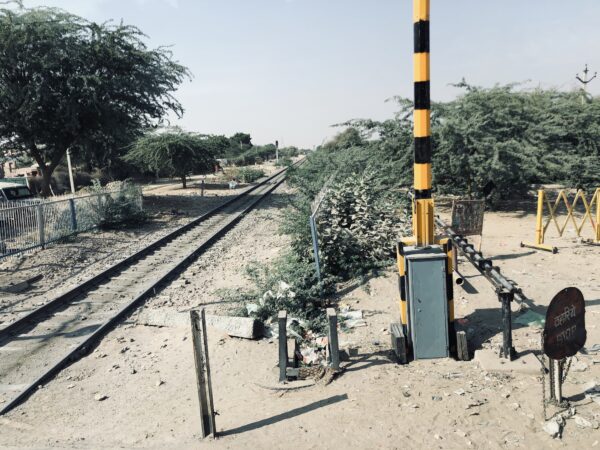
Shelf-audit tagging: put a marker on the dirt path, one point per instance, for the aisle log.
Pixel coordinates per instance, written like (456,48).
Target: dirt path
(147,372)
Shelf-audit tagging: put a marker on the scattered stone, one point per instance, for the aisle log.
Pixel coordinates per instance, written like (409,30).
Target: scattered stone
(438,437)
(582,422)
(133,371)
(515,406)
(100,397)
(474,403)
(159,383)
(460,391)
(70,386)
(406,394)
(460,433)
(553,428)
(436,398)
(579,366)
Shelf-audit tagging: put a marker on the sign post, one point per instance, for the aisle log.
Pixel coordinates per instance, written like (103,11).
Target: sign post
(564,335)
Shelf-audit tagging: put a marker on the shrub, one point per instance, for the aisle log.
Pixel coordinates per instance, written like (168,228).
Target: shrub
(289,284)
(119,210)
(248,174)
(358,227)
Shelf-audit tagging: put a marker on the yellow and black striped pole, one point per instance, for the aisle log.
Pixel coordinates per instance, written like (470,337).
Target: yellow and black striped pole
(423,203)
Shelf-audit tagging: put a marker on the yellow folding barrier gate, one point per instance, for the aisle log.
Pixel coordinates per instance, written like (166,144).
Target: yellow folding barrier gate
(542,225)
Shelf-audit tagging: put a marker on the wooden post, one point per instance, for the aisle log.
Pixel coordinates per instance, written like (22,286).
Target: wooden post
(205,397)
(334,350)
(283,353)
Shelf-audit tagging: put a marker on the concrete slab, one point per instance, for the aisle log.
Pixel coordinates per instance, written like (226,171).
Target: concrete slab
(164,317)
(490,361)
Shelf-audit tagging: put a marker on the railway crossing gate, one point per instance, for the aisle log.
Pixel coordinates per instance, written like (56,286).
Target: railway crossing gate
(424,263)
(589,216)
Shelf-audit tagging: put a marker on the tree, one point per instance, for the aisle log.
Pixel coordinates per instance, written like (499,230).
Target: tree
(241,140)
(173,152)
(66,83)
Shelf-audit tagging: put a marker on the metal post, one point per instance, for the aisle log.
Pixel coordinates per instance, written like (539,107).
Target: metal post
(506,297)
(207,411)
(73,214)
(558,367)
(423,211)
(597,195)
(313,232)
(283,353)
(70,171)
(202,189)
(585,81)
(556,374)
(551,374)
(539,225)
(334,350)
(41,224)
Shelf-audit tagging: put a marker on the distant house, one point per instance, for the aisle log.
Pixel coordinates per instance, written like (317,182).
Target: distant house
(11,170)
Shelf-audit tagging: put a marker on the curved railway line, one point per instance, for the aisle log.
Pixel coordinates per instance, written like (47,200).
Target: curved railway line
(37,346)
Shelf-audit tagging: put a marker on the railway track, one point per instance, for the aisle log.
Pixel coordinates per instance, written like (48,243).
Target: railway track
(37,346)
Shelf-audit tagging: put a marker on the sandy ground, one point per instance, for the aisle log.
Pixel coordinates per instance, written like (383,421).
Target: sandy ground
(147,372)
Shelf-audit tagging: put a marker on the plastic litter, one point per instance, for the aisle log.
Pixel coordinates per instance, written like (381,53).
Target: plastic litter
(531,319)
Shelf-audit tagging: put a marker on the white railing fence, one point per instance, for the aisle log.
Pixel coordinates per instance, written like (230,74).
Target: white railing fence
(30,224)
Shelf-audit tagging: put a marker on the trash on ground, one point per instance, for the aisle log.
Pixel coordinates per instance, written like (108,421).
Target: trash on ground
(531,319)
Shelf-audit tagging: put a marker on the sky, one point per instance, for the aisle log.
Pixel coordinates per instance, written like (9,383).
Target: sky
(288,70)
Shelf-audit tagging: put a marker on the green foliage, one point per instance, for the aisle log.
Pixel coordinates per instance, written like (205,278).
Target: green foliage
(121,210)
(290,284)
(358,227)
(254,155)
(69,83)
(511,138)
(173,152)
(248,174)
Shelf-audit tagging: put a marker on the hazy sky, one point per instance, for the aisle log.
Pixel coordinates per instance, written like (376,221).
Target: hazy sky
(289,69)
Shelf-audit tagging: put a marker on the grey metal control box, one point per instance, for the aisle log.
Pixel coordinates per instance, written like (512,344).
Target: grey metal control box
(427,302)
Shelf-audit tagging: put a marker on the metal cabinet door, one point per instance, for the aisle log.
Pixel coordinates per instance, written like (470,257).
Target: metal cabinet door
(428,306)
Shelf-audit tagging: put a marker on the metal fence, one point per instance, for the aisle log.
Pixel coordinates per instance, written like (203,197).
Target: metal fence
(315,207)
(30,224)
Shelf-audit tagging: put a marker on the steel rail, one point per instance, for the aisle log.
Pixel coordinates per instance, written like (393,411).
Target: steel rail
(97,279)
(91,340)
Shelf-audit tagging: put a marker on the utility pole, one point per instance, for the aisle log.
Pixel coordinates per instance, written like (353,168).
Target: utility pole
(585,81)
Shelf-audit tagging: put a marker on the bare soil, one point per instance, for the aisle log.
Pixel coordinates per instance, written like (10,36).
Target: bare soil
(147,372)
